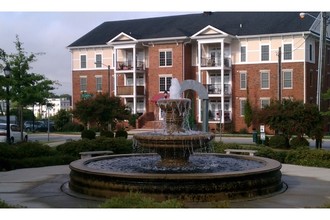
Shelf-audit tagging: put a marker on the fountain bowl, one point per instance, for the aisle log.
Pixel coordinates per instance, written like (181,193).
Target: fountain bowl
(189,187)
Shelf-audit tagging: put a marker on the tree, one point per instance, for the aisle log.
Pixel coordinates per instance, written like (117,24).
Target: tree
(101,110)
(293,118)
(61,119)
(248,114)
(27,88)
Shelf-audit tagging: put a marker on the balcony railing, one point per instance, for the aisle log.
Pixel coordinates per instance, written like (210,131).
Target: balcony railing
(216,89)
(215,62)
(216,116)
(128,90)
(128,65)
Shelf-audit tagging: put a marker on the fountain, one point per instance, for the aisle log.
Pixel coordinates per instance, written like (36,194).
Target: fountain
(177,165)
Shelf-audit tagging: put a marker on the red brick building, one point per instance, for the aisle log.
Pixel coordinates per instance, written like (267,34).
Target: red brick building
(235,55)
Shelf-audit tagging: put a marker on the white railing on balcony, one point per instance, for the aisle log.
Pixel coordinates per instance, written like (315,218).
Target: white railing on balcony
(216,116)
(216,89)
(215,62)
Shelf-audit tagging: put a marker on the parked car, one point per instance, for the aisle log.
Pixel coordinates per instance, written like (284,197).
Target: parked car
(15,133)
(38,126)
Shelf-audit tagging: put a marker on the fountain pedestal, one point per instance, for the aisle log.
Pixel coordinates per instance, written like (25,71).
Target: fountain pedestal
(175,144)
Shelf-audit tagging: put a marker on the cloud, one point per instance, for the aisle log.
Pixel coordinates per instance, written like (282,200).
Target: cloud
(51,32)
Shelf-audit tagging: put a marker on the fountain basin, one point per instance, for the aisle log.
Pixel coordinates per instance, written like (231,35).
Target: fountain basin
(190,187)
(174,149)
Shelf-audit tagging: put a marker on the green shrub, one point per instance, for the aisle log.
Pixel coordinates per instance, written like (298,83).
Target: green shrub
(307,157)
(136,200)
(88,134)
(117,145)
(109,134)
(30,154)
(277,141)
(121,133)
(299,142)
(74,127)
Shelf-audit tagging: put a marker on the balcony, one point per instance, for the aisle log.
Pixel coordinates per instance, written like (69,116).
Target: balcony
(127,65)
(216,89)
(216,116)
(215,62)
(128,90)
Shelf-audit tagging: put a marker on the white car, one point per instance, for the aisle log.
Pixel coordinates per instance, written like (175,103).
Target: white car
(15,133)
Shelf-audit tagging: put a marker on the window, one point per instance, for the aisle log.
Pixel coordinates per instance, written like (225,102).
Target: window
(287,52)
(311,51)
(243,80)
(264,52)
(242,106)
(243,53)
(264,102)
(98,83)
(83,84)
(287,79)
(264,78)
(165,83)
(83,61)
(165,58)
(98,60)
(129,79)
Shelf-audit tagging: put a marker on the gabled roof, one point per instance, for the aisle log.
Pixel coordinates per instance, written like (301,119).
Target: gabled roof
(233,23)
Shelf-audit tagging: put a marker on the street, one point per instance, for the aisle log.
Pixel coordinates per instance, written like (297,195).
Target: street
(56,137)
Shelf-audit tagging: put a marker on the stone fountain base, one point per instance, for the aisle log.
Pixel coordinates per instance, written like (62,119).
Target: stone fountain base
(193,187)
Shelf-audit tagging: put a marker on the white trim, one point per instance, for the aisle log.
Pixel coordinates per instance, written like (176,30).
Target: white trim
(223,34)
(119,35)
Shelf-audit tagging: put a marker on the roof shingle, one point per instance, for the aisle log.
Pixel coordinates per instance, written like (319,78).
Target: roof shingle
(233,23)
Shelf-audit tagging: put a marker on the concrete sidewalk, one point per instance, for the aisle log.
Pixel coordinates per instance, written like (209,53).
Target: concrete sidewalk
(46,187)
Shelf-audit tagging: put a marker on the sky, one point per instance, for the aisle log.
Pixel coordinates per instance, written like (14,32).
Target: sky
(50,33)
(49,27)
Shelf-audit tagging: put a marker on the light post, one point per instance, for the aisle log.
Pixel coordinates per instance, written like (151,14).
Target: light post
(109,79)
(322,45)
(7,72)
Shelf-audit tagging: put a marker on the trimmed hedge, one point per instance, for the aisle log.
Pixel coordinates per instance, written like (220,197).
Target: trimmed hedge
(299,156)
(117,145)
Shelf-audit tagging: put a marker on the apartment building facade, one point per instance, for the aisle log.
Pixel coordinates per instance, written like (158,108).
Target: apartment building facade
(56,104)
(236,56)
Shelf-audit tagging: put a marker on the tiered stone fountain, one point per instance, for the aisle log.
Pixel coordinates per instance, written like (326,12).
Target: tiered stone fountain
(173,169)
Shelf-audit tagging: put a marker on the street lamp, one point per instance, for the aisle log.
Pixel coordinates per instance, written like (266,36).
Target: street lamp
(323,32)
(7,72)
(109,79)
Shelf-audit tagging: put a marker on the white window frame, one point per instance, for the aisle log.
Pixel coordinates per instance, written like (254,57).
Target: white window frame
(287,52)
(242,102)
(98,83)
(243,80)
(98,60)
(167,82)
(241,54)
(264,53)
(83,83)
(262,73)
(83,65)
(262,102)
(287,79)
(168,61)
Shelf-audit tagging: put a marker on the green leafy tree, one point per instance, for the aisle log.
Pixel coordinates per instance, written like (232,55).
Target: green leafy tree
(248,113)
(26,88)
(293,118)
(101,110)
(62,118)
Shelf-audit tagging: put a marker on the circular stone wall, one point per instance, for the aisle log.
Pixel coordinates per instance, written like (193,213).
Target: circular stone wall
(196,187)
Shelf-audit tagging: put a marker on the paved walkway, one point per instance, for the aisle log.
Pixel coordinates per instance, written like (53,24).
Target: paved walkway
(46,187)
